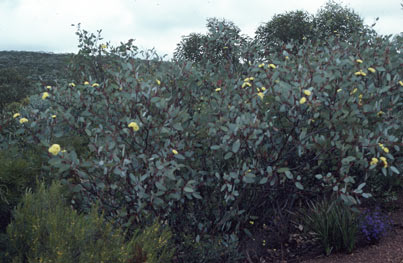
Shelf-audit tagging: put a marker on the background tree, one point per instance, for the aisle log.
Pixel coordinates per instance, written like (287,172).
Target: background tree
(222,43)
(334,18)
(284,28)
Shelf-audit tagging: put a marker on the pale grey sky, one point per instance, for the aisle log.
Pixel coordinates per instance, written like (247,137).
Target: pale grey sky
(45,25)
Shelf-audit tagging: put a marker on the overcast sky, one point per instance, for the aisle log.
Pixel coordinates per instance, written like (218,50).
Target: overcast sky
(45,25)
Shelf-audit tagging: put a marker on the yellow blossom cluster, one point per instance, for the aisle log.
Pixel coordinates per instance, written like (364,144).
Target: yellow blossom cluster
(45,95)
(371,70)
(247,81)
(374,161)
(54,149)
(22,120)
(95,85)
(385,149)
(134,126)
(385,162)
(360,99)
(359,61)
(174,151)
(360,73)
(307,93)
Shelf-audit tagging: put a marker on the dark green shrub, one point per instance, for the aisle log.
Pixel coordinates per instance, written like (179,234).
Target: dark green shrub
(46,229)
(335,224)
(18,172)
(13,86)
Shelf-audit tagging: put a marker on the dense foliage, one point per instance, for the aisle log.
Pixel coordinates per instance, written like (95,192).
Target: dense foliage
(46,229)
(220,137)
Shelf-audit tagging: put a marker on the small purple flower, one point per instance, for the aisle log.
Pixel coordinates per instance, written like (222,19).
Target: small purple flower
(374,225)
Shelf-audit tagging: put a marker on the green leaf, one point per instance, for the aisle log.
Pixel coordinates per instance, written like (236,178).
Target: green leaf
(348,159)
(160,186)
(394,169)
(188,189)
(236,145)
(263,180)
(283,169)
(227,155)
(197,195)
(289,175)
(299,185)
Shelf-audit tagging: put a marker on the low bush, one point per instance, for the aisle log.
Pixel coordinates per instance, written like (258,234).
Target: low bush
(46,229)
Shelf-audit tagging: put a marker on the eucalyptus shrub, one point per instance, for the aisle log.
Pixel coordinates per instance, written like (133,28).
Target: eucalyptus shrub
(202,147)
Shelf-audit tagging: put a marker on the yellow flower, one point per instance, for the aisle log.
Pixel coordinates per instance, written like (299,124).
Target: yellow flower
(263,88)
(174,151)
(359,61)
(372,70)
(251,222)
(95,85)
(260,94)
(360,96)
(380,113)
(103,46)
(302,100)
(354,91)
(86,83)
(286,57)
(261,65)
(385,162)
(134,126)
(246,80)
(246,84)
(23,120)
(45,95)
(272,66)
(54,149)
(53,116)
(16,115)
(358,73)
(373,161)
(277,81)
(217,89)
(401,83)
(63,151)
(339,90)
(48,87)
(158,81)
(307,92)
(385,149)
(72,84)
